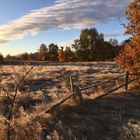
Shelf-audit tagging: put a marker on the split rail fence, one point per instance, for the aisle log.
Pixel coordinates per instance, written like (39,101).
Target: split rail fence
(78,92)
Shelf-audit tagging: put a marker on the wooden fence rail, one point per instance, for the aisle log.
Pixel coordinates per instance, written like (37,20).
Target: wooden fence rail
(101,83)
(76,91)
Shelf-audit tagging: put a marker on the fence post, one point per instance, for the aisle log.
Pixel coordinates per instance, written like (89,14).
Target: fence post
(71,84)
(126,80)
(78,93)
(72,87)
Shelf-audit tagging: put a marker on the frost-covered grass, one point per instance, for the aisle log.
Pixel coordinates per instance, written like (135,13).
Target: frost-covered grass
(44,86)
(51,82)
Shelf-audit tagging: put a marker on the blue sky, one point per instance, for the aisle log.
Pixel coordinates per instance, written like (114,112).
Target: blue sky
(25,24)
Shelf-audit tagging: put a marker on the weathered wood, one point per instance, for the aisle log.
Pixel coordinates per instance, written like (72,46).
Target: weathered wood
(106,81)
(79,94)
(126,80)
(119,86)
(72,88)
(114,89)
(53,107)
(71,84)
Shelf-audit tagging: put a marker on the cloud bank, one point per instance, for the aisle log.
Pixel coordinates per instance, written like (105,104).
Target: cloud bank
(64,14)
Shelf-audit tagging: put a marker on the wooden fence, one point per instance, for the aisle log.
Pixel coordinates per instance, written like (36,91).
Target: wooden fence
(78,92)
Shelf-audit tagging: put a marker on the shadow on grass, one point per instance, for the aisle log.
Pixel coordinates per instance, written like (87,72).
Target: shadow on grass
(112,117)
(5,74)
(36,84)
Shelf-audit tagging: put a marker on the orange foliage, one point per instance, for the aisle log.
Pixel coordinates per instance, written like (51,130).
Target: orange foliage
(61,55)
(129,56)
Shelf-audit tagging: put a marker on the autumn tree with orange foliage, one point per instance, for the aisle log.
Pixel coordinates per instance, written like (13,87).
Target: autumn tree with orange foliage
(61,54)
(129,56)
(66,55)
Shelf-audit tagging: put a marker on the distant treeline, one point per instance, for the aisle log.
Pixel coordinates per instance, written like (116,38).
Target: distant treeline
(90,46)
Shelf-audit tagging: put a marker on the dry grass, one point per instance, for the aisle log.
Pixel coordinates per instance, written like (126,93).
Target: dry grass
(48,84)
(113,117)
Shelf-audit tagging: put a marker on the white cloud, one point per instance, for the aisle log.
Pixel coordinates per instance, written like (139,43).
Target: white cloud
(64,14)
(114,34)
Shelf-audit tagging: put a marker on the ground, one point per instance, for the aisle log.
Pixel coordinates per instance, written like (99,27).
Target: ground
(111,117)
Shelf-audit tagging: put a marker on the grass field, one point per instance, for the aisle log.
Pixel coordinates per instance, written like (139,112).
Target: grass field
(106,118)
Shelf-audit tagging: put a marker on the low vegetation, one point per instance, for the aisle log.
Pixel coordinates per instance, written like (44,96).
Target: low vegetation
(45,85)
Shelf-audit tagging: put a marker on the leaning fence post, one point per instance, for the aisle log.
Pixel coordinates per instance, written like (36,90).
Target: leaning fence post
(71,84)
(126,80)
(72,87)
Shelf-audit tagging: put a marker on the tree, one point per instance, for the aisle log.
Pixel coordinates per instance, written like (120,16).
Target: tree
(53,52)
(129,56)
(109,51)
(90,40)
(42,52)
(24,56)
(34,56)
(85,46)
(61,54)
(91,46)
(8,57)
(79,51)
(1,58)
(114,42)
(68,54)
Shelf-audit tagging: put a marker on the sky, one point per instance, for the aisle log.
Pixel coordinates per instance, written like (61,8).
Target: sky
(25,24)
